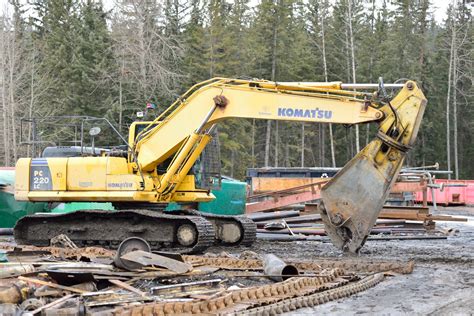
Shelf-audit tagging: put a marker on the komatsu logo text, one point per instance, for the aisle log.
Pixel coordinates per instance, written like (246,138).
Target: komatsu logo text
(316,113)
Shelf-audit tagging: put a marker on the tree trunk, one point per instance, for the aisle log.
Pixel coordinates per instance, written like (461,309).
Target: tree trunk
(253,144)
(267,143)
(325,67)
(11,89)
(142,57)
(3,75)
(269,123)
(352,48)
(232,159)
(122,71)
(455,114)
(302,145)
(448,99)
(276,143)
(32,97)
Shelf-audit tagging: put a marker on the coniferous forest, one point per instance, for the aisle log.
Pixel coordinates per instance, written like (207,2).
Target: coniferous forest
(77,57)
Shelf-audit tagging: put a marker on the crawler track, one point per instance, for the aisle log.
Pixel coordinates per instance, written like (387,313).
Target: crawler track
(295,303)
(360,266)
(247,227)
(265,300)
(108,229)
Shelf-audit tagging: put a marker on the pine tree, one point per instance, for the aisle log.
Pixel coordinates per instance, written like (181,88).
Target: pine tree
(194,46)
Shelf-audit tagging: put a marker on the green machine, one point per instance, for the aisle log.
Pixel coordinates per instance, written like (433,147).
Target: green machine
(10,209)
(230,199)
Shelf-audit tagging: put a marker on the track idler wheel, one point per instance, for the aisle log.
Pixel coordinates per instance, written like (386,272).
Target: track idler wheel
(229,233)
(186,235)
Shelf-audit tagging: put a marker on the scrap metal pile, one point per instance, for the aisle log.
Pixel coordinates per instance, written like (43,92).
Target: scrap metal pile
(395,222)
(88,281)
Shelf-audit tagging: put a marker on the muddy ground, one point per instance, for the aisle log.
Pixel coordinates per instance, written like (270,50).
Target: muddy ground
(442,282)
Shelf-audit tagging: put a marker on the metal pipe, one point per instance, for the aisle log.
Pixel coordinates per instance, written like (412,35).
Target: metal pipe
(339,85)
(206,119)
(435,166)
(374,86)
(278,237)
(277,268)
(6,231)
(260,216)
(423,171)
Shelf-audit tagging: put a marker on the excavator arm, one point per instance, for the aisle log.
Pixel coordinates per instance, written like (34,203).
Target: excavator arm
(352,200)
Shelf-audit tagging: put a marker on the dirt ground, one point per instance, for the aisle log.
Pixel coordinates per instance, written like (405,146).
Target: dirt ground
(442,282)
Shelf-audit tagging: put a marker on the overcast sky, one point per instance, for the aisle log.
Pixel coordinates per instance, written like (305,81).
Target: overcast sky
(440,6)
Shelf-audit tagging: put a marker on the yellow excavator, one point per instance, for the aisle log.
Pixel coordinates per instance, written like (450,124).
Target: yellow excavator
(156,168)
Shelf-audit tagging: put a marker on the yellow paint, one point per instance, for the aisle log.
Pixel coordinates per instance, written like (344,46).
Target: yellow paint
(22,179)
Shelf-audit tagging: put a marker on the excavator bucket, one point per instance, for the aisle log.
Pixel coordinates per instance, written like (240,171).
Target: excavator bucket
(353,199)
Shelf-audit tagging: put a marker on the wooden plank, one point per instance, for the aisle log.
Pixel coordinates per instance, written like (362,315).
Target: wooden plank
(53,285)
(53,303)
(127,287)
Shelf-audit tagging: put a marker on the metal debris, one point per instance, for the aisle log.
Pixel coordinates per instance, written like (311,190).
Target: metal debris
(150,259)
(62,241)
(187,289)
(169,283)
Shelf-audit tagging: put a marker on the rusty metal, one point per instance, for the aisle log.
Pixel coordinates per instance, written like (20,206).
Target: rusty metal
(69,277)
(185,289)
(13,293)
(282,198)
(417,214)
(292,304)
(62,241)
(309,192)
(352,265)
(64,253)
(243,298)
